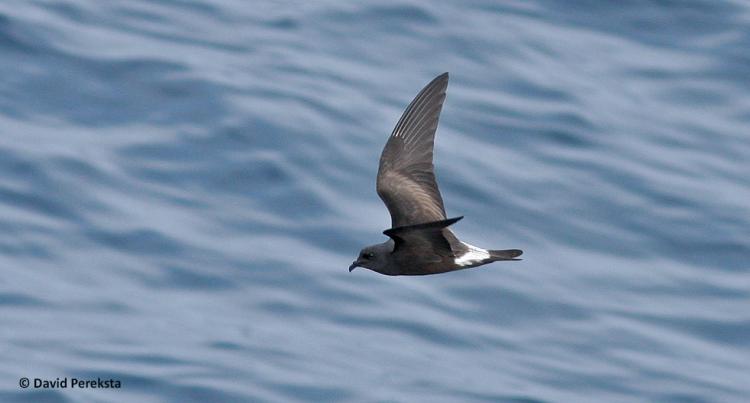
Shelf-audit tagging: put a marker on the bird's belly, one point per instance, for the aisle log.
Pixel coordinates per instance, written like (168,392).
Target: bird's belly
(421,268)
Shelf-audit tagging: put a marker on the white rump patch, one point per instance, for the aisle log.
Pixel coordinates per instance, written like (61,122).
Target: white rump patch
(473,255)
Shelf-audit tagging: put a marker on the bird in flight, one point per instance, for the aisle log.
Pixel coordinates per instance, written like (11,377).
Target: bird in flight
(420,242)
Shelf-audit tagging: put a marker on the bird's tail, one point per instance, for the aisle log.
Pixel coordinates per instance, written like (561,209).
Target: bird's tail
(507,254)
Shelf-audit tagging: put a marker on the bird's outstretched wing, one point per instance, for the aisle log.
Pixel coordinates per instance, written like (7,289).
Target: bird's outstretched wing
(406,177)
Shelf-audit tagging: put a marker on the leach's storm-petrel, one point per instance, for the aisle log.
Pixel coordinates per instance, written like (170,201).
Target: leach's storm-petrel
(420,241)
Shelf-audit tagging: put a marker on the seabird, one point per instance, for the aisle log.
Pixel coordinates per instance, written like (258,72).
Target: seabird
(420,242)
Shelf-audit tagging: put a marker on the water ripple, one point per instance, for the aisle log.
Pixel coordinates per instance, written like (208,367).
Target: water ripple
(184,184)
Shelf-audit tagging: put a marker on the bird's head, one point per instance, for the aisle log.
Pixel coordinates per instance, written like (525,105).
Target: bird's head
(374,257)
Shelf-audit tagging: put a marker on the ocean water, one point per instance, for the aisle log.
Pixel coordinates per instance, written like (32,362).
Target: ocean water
(183,184)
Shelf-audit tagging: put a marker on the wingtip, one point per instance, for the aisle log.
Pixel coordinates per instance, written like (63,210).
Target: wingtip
(451,221)
(442,78)
(428,225)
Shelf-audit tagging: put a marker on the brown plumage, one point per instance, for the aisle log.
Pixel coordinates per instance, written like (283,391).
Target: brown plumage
(420,241)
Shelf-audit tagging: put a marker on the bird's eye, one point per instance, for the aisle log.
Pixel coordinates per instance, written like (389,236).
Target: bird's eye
(368,255)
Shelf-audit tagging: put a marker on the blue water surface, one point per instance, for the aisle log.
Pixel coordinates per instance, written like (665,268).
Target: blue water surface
(183,184)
